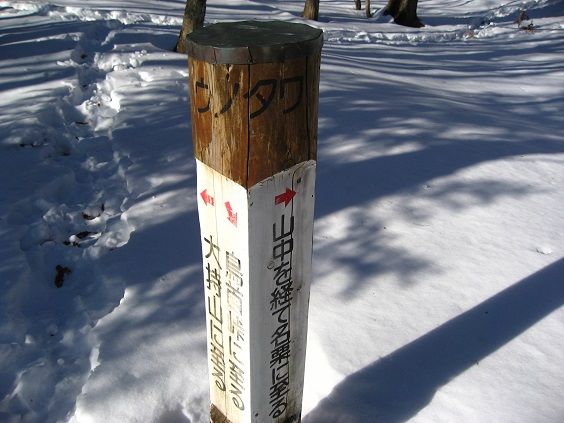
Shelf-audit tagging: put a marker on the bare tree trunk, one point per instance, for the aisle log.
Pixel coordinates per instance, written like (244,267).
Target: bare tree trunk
(311,10)
(194,14)
(358,6)
(404,12)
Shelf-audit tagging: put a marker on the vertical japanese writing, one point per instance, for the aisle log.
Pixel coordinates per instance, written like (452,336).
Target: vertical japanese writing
(236,330)
(215,314)
(225,283)
(281,296)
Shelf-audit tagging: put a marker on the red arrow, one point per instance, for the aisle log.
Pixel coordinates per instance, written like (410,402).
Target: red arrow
(232,217)
(285,198)
(208,199)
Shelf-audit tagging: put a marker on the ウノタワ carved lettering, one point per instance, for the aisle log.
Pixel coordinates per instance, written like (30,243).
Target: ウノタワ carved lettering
(264,91)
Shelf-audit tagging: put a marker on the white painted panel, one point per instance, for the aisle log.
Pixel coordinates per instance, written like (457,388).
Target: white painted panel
(257,248)
(222,207)
(280,241)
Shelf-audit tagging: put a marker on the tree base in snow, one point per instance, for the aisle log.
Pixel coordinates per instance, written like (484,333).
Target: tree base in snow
(404,13)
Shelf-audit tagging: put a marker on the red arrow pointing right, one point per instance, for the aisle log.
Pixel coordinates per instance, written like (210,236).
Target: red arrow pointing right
(285,198)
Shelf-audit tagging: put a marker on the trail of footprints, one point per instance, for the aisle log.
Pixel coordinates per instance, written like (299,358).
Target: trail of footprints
(80,205)
(75,216)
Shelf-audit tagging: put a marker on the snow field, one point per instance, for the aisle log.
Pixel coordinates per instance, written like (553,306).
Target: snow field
(438,269)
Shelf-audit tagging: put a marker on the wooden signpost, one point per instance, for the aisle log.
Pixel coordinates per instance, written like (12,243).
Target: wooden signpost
(254,89)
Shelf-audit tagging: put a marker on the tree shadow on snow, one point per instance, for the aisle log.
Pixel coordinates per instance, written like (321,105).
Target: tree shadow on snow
(395,122)
(396,387)
(160,261)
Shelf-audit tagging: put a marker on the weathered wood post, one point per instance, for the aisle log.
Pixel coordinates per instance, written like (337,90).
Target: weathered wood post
(254,99)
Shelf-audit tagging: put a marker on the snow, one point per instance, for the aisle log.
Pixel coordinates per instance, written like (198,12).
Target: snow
(438,257)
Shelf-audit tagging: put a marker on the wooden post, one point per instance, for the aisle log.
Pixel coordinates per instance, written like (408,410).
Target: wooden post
(254,89)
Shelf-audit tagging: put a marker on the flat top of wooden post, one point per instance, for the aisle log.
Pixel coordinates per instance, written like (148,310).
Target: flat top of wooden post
(253,42)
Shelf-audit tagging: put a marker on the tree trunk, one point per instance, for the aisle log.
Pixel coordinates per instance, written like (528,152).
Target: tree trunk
(311,10)
(194,14)
(404,12)
(358,6)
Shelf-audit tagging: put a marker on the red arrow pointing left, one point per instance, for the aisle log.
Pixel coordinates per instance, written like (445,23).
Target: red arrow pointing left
(285,198)
(208,199)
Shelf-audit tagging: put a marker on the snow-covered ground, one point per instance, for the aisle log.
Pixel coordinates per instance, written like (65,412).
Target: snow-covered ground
(439,235)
